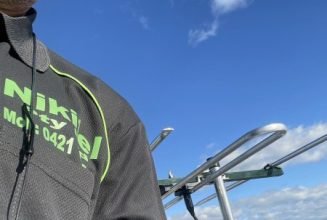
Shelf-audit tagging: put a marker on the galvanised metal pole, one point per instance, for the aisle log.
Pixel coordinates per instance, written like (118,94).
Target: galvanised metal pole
(222,195)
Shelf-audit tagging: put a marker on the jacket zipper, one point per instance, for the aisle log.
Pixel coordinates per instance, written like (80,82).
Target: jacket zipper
(27,148)
(16,195)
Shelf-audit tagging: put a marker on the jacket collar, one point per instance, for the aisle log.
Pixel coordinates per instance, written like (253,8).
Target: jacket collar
(18,31)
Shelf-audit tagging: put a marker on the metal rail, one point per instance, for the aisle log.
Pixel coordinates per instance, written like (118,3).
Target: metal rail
(278,162)
(277,130)
(173,202)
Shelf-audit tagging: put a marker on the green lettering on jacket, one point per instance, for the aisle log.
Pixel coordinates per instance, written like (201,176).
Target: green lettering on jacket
(50,113)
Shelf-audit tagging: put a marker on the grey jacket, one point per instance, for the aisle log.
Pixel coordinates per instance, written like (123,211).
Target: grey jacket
(91,157)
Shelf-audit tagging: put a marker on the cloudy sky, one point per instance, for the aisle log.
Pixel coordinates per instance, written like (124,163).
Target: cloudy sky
(286,203)
(213,70)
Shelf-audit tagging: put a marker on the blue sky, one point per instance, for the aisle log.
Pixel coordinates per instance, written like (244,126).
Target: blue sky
(213,70)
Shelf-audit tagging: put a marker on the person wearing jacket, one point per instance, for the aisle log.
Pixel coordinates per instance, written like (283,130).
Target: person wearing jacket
(70,146)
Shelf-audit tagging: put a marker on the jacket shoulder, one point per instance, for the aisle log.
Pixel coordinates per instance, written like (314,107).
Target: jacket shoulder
(118,111)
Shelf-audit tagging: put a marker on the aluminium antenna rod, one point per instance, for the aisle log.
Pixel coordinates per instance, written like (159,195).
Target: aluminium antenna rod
(277,129)
(162,136)
(276,163)
(272,138)
(300,150)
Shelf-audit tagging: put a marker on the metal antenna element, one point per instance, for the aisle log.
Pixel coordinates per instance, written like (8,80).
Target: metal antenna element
(162,136)
(278,162)
(276,131)
(211,173)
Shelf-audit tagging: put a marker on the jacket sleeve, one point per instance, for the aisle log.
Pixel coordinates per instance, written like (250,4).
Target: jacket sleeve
(130,190)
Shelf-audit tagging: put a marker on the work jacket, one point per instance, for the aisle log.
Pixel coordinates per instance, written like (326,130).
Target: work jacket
(89,158)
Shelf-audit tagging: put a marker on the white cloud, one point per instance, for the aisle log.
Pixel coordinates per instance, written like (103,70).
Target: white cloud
(98,11)
(144,22)
(199,35)
(225,6)
(218,8)
(295,138)
(211,145)
(286,204)
(131,8)
(172,3)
